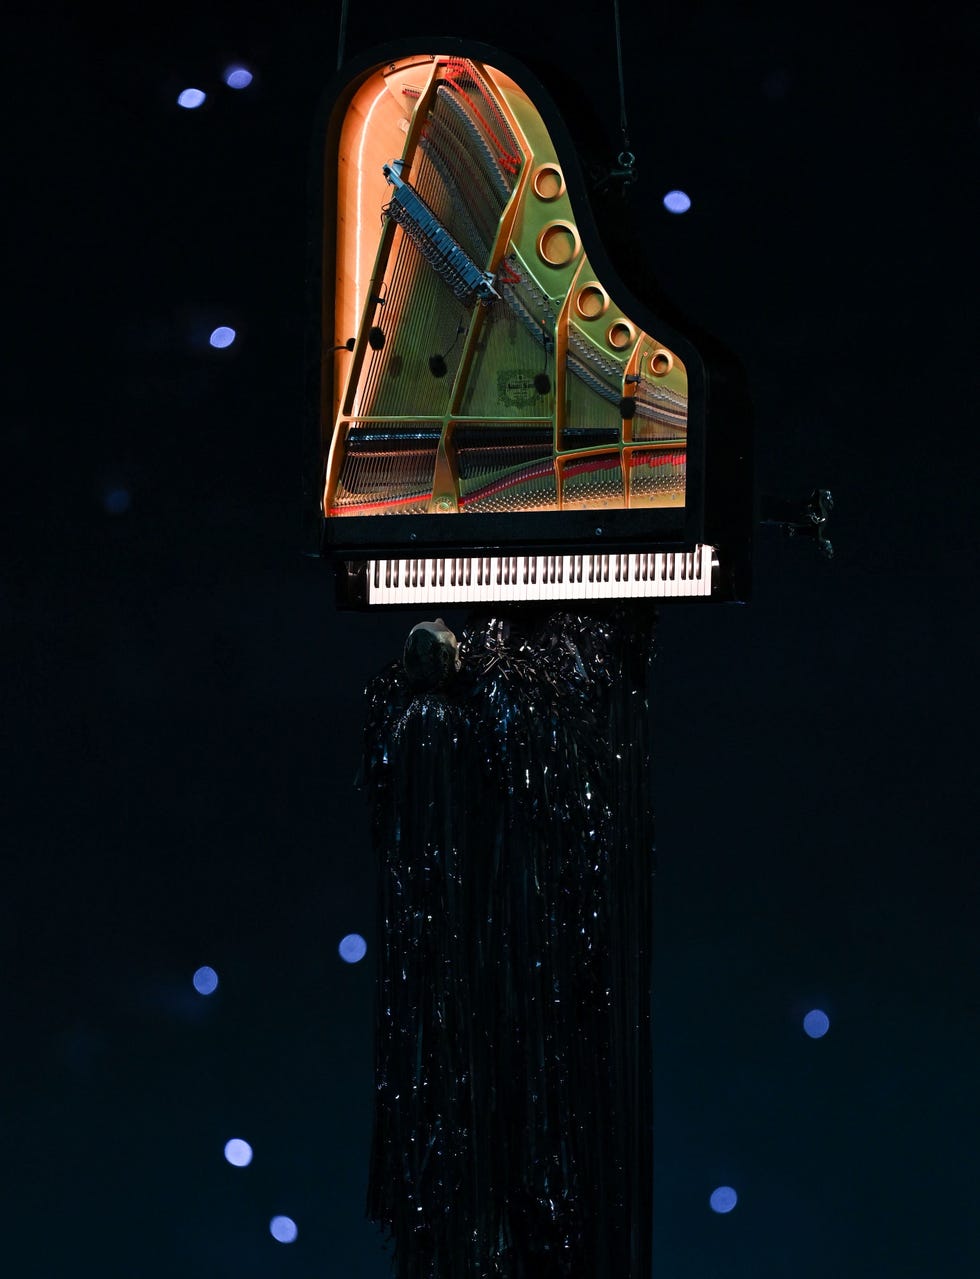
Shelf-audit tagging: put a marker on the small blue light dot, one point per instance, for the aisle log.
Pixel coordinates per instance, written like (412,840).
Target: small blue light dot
(352,948)
(816,1023)
(205,981)
(238,1152)
(191,98)
(238,78)
(677,202)
(117,501)
(222,336)
(723,1199)
(283,1229)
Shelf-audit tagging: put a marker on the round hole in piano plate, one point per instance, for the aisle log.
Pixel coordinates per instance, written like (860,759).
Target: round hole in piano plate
(558,243)
(591,301)
(661,362)
(620,335)
(548,182)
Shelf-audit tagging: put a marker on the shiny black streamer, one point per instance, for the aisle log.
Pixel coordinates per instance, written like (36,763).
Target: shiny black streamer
(511,818)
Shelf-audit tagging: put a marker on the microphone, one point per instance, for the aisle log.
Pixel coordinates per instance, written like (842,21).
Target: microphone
(542,382)
(376,337)
(437,363)
(627,405)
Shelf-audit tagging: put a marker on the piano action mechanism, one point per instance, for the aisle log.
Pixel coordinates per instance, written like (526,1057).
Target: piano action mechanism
(497,419)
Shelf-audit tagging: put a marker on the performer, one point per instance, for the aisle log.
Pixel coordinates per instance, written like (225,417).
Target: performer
(509,782)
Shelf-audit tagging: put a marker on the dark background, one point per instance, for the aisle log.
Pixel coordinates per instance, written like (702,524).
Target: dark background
(183,705)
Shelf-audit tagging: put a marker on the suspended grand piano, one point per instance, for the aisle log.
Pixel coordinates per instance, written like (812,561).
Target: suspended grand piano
(498,418)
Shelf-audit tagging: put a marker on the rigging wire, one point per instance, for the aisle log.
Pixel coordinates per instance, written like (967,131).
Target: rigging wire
(626,159)
(342,37)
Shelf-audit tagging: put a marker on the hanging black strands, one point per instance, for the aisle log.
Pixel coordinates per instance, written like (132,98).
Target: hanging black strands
(511,819)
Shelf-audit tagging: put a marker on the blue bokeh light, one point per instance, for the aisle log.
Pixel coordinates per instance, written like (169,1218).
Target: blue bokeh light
(723,1199)
(677,202)
(352,948)
(238,1152)
(238,77)
(117,501)
(816,1023)
(283,1229)
(222,336)
(190,98)
(205,981)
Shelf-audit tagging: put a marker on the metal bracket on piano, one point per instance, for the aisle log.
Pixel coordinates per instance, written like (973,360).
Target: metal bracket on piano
(624,173)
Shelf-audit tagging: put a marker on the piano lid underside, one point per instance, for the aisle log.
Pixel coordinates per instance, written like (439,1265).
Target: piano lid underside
(492,373)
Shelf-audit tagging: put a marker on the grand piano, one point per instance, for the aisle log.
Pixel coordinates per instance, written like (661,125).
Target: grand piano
(494,416)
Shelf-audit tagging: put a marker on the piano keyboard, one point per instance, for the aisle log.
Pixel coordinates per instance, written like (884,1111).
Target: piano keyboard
(526,578)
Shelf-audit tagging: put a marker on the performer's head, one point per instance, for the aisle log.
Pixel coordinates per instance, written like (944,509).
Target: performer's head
(431,657)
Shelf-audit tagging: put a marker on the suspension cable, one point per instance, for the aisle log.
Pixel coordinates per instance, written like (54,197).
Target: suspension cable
(627,153)
(341,39)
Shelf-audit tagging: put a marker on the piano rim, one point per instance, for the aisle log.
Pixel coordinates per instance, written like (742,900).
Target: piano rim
(327,535)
